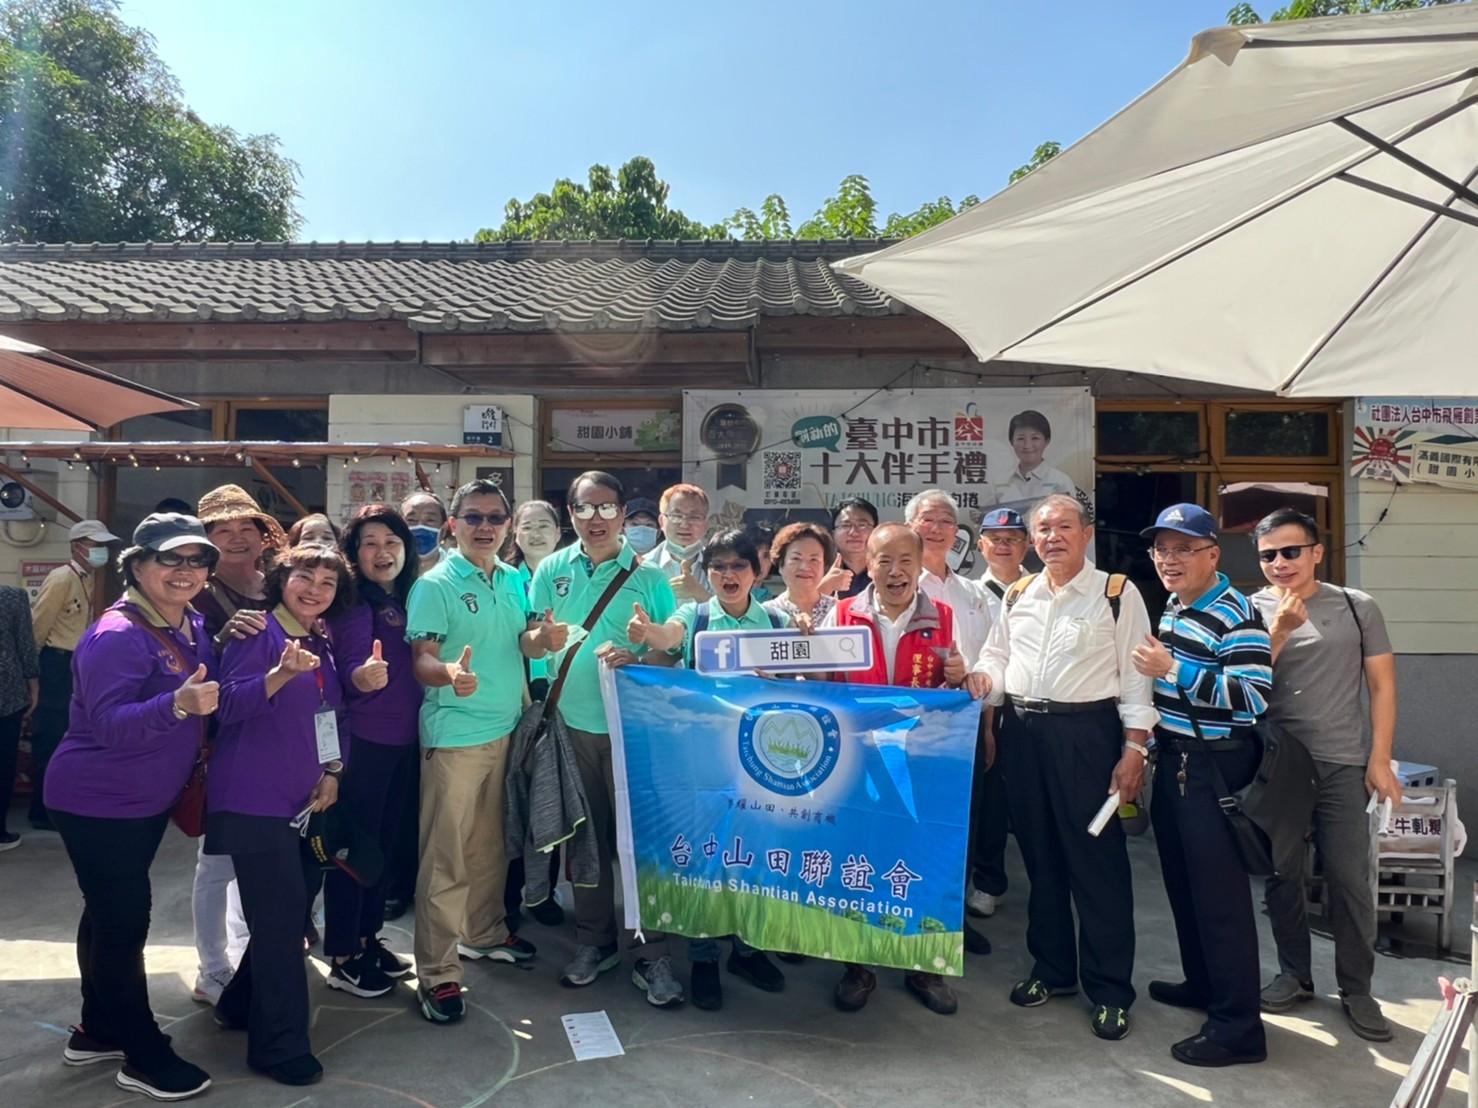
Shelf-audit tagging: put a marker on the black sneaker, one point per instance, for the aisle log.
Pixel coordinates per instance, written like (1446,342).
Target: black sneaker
(395,907)
(707,991)
(302,1070)
(359,976)
(1110,1023)
(758,970)
(82,1050)
(173,1079)
(975,942)
(9,840)
(386,960)
(442,1003)
(1034,992)
(548,912)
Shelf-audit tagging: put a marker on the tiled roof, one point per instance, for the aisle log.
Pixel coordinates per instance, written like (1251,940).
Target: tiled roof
(513,286)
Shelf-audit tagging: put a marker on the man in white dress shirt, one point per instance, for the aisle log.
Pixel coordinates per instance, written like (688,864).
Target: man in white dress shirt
(1072,732)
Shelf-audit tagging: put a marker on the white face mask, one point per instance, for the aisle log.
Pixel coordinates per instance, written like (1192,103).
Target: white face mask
(641,537)
(97,556)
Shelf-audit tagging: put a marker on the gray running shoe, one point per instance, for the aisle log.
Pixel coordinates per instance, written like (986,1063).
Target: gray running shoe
(589,962)
(1285,993)
(657,981)
(1366,1018)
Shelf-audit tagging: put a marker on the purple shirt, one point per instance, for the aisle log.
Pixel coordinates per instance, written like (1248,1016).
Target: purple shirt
(125,755)
(264,761)
(388,716)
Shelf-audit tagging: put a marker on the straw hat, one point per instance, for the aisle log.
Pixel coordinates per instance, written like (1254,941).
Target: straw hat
(230,502)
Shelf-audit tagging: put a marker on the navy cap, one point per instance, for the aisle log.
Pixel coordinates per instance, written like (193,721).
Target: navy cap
(639,504)
(167,530)
(1188,519)
(1002,519)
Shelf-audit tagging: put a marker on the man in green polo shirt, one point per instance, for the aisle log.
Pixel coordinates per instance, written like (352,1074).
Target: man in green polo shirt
(466,617)
(570,582)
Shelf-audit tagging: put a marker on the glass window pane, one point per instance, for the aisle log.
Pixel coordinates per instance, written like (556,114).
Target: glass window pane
(281,425)
(1262,434)
(191,426)
(1164,434)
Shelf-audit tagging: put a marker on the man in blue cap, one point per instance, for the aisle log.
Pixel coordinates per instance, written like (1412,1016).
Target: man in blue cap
(1212,662)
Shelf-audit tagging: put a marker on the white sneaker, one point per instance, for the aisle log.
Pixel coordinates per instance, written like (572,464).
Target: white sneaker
(209,986)
(981,904)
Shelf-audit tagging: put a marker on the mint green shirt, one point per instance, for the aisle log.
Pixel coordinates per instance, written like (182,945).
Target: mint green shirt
(754,618)
(455,605)
(568,582)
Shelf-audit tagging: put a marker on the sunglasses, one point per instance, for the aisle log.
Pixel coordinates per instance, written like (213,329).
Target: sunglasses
(1288,553)
(477,519)
(608,510)
(170,560)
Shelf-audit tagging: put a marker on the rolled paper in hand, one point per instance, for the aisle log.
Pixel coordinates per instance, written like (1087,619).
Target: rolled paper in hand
(1107,812)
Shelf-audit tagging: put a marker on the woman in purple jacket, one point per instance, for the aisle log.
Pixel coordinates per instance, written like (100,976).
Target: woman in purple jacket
(384,701)
(278,755)
(141,689)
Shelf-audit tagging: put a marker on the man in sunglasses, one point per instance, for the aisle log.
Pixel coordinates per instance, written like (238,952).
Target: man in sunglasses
(1212,668)
(1325,640)
(570,583)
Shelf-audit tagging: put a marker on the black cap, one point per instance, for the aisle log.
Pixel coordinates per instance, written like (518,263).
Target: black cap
(167,530)
(640,504)
(334,839)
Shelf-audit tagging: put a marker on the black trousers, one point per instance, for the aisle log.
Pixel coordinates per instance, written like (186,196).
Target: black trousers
(49,725)
(269,992)
(986,849)
(403,856)
(112,858)
(1057,772)
(10,741)
(1210,893)
(376,791)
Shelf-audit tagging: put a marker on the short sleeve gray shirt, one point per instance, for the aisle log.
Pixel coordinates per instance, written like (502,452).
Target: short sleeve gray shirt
(1317,676)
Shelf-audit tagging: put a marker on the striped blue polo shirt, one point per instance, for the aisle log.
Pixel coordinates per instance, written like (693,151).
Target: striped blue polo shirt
(1225,663)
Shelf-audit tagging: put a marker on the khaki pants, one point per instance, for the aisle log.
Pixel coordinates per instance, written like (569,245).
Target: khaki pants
(595,909)
(459,891)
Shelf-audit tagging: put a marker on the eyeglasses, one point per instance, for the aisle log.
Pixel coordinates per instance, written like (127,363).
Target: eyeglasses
(729,567)
(170,560)
(538,525)
(477,519)
(609,510)
(854,527)
(936,521)
(1176,553)
(1003,540)
(1287,553)
(683,518)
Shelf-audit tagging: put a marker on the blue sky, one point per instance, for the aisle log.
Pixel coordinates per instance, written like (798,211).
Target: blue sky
(420,121)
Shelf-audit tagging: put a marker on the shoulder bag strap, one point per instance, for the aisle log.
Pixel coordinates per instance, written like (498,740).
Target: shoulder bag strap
(1228,802)
(1359,627)
(187,667)
(589,625)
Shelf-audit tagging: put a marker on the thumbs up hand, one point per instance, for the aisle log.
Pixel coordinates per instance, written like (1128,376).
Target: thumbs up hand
(1151,658)
(197,696)
(639,626)
(374,673)
(686,586)
(550,635)
(954,667)
(464,681)
(838,578)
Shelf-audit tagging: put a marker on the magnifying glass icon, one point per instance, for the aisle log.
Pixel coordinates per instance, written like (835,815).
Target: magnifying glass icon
(848,646)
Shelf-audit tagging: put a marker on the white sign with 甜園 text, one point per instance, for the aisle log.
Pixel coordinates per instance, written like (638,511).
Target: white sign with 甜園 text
(834,649)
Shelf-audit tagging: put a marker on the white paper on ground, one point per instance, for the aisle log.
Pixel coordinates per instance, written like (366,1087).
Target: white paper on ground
(591,1035)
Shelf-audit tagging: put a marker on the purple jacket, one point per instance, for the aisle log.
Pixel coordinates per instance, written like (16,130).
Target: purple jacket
(125,755)
(264,761)
(388,716)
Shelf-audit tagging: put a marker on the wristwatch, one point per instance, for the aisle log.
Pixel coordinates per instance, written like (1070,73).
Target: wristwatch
(334,770)
(1138,748)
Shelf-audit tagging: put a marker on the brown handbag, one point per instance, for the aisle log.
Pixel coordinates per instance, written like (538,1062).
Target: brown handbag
(188,813)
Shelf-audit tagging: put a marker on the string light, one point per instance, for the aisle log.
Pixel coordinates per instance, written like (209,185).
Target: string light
(296,463)
(25,458)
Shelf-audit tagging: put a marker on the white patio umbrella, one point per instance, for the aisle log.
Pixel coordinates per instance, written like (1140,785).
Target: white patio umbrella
(1293,209)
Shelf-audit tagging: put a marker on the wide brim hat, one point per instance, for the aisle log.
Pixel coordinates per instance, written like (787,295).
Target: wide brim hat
(228,502)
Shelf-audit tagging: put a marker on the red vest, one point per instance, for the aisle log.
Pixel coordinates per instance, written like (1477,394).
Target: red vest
(918,662)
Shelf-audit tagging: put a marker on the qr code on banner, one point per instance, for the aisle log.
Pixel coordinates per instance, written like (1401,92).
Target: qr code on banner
(782,476)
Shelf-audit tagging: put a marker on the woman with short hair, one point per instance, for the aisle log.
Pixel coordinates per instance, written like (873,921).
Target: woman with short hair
(803,551)
(142,689)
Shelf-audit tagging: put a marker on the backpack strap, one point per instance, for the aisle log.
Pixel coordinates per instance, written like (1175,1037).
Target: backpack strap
(778,622)
(700,619)
(998,589)
(1113,590)
(1013,594)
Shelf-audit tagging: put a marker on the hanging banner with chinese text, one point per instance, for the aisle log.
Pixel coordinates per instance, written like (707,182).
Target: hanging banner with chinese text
(1433,440)
(799,453)
(807,817)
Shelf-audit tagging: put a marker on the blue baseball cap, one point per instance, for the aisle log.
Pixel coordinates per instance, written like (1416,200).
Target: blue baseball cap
(1188,519)
(1002,519)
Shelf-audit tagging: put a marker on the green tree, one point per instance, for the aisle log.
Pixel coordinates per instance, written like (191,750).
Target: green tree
(1043,154)
(97,146)
(631,204)
(1244,13)
(851,213)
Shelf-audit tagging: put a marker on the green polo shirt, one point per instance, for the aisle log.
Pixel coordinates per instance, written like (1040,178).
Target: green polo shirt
(754,618)
(455,605)
(570,583)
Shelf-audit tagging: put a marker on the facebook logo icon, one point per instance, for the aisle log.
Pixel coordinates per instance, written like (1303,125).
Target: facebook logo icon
(718,653)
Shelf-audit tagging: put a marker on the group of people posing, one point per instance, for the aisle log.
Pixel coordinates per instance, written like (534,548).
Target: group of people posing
(382,669)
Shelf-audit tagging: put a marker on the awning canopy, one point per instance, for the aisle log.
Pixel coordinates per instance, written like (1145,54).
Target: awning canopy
(1291,210)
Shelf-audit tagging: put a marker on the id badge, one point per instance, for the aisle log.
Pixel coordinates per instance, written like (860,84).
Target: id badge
(326,731)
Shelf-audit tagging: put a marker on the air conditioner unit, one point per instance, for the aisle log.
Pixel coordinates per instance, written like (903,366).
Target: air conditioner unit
(15,501)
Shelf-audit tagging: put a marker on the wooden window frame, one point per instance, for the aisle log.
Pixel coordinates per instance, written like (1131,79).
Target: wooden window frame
(1132,461)
(1217,412)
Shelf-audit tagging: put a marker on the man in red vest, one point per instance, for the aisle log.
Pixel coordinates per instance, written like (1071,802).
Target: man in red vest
(912,645)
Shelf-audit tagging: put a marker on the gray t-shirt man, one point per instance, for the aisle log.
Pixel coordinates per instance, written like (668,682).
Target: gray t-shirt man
(1316,679)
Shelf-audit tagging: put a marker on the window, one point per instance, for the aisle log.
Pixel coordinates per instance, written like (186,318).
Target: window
(1169,433)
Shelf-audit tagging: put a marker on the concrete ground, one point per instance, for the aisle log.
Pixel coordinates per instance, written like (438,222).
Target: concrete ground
(794,1048)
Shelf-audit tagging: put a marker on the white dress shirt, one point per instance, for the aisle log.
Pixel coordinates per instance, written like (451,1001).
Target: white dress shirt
(1067,646)
(972,615)
(1040,482)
